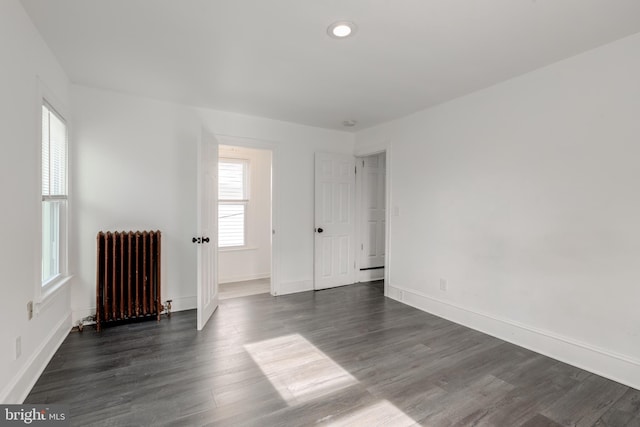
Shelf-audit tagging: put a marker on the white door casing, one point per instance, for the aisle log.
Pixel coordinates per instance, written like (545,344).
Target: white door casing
(373,211)
(334,263)
(207,238)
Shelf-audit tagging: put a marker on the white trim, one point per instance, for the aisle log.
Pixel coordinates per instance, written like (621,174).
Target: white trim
(177,304)
(183,303)
(44,292)
(294,287)
(259,144)
(615,366)
(246,277)
(370,275)
(237,248)
(19,387)
(50,291)
(367,275)
(387,148)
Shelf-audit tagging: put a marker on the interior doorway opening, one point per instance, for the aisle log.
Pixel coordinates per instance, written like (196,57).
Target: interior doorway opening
(371,216)
(244,221)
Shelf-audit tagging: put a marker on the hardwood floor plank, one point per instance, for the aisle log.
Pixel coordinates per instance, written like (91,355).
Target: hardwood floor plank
(586,402)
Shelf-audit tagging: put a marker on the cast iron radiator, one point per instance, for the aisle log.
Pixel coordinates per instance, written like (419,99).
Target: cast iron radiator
(128,276)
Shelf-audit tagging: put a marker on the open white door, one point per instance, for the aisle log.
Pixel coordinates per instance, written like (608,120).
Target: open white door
(334,220)
(207,238)
(371,211)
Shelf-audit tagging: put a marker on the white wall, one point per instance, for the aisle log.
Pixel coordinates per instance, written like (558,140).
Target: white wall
(135,168)
(24,56)
(253,261)
(524,197)
(293,162)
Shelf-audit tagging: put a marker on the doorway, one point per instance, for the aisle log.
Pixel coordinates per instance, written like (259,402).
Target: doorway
(351,230)
(371,216)
(245,227)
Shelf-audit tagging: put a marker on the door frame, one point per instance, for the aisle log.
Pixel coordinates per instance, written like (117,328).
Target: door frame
(360,211)
(366,151)
(260,144)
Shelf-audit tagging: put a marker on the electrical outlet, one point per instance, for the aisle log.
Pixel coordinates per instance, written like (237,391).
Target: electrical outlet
(18,347)
(30,310)
(443,285)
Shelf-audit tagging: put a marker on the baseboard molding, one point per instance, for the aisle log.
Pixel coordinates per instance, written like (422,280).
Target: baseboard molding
(245,278)
(184,303)
(23,381)
(177,304)
(293,287)
(78,314)
(617,367)
(370,275)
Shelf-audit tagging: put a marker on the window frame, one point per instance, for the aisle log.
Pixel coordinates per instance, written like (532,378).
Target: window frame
(244,202)
(45,289)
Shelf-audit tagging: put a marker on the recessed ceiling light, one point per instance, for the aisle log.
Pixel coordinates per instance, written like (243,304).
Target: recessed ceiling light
(341,29)
(349,123)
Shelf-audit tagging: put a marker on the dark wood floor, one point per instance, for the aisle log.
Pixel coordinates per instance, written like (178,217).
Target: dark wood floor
(345,356)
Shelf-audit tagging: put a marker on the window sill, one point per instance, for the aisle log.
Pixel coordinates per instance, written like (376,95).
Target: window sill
(52,289)
(237,249)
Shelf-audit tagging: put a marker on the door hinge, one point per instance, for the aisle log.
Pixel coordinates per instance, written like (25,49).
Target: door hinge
(363,163)
(362,246)
(355,170)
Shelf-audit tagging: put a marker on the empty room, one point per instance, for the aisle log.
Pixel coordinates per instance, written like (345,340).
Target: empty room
(339,212)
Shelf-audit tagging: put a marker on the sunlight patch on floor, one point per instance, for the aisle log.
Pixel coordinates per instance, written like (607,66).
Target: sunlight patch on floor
(382,413)
(298,369)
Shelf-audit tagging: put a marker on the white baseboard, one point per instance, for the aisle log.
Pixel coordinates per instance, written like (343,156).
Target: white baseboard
(184,303)
(618,367)
(244,278)
(78,314)
(369,275)
(177,304)
(293,287)
(23,381)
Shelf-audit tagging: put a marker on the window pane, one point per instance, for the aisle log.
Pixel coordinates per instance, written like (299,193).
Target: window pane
(54,185)
(231,180)
(45,150)
(231,224)
(54,154)
(50,239)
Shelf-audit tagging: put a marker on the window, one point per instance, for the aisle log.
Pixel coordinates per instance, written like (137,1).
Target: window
(54,194)
(232,202)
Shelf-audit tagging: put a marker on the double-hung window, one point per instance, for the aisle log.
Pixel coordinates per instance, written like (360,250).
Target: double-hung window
(54,194)
(233,198)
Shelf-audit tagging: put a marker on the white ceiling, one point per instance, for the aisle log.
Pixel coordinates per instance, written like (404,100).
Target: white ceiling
(273,58)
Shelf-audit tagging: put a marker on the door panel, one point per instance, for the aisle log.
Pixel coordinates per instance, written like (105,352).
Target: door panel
(335,216)
(207,228)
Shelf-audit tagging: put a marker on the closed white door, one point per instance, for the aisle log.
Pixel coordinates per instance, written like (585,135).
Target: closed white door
(207,238)
(373,209)
(334,220)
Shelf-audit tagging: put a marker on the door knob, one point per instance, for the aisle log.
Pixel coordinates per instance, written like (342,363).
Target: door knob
(320,230)
(205,240)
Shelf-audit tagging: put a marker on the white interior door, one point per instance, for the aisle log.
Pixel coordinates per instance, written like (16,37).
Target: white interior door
(372,207)
(207,238)
(334,220)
